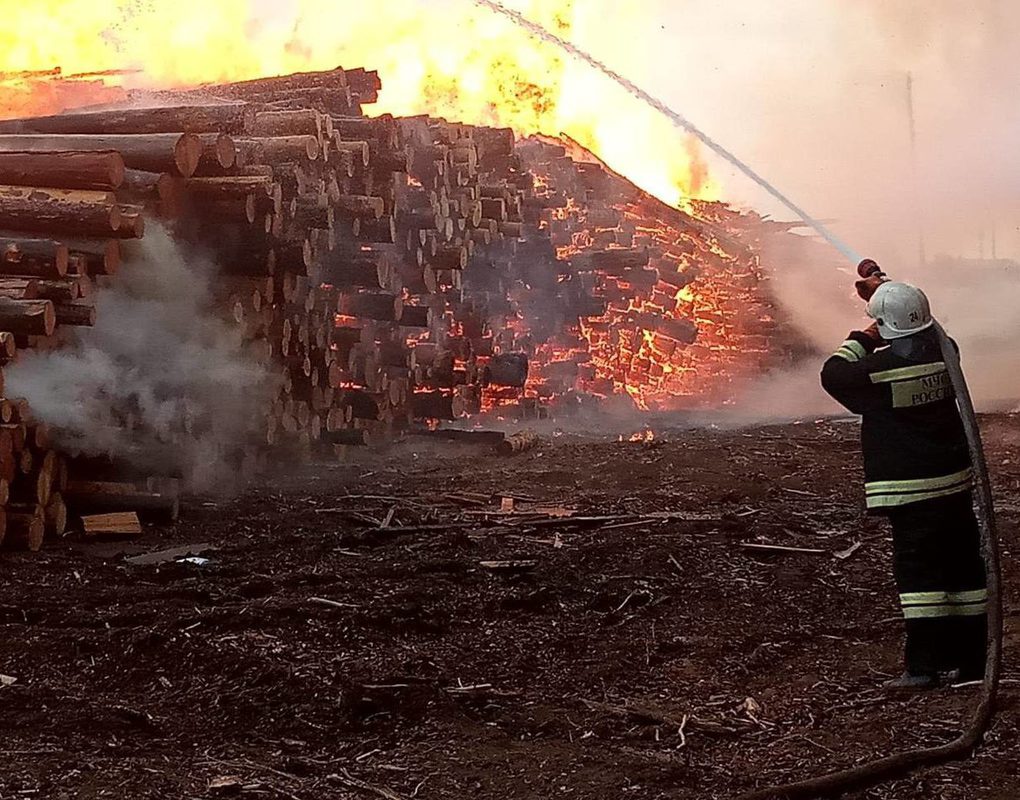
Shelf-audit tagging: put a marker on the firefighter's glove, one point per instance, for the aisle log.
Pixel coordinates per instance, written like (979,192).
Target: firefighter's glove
(871,335)
(866,288)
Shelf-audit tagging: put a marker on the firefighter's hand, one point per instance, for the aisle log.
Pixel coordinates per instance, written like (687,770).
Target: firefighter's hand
(872,333)
(866,288)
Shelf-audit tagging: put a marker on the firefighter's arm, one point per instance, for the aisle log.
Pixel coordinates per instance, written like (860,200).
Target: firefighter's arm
(845,376)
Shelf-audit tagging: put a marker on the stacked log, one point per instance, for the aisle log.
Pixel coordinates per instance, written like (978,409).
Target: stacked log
(62,225)
(374,224)
(32,478)
(391,273)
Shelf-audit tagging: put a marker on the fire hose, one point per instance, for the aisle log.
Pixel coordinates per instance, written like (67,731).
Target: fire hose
(884,769)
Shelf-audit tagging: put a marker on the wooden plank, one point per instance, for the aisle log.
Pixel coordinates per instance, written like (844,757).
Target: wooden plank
(119,524)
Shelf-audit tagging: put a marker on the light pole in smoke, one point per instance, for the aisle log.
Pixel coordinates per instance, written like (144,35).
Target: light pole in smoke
(921,255)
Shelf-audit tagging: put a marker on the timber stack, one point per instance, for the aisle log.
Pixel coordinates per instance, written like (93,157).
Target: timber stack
(673,306)
(391,272)
(61,228)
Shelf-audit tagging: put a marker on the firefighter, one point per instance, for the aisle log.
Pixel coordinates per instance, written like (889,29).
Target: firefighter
(918,474)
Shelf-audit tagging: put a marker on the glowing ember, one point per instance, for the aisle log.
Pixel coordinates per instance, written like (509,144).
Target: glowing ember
(685,320)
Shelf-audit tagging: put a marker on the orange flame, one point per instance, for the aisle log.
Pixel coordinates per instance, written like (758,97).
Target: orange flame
(444,58)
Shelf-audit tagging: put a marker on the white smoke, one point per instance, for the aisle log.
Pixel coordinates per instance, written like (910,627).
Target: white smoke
(160,380)
(977,303)
(813,94)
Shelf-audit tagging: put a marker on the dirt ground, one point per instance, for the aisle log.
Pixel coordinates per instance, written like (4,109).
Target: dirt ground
(637,657)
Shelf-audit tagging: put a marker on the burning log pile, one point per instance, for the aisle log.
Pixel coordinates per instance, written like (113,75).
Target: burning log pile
(389,272)
(673,306)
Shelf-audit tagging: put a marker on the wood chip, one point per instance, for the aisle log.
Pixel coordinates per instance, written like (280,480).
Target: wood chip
(779,548)
(800,492)
(226,785)
(473,689)
(468,499)
(322,601)
(508,566)
(171,554)
(637,523)
(843,555)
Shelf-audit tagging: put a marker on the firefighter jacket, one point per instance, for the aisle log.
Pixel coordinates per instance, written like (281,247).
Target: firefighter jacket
(912,436)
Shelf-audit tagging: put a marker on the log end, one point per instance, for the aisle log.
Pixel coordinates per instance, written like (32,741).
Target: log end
(117,170)
(56,516)
(61,260)
(132,225)
(49,318)
(35,534)
(226,151)
(111,257)
(116,217)
(8,349)
(250,208)
(187,154)
(312,148)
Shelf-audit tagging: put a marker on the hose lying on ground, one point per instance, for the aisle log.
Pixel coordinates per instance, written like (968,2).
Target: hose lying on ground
(903,763)
(890,767)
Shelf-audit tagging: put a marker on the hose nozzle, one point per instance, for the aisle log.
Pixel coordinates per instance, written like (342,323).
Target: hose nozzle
(872,277)
(869,268)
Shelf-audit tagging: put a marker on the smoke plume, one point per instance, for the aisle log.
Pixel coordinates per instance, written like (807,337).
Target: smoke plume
(977,302)
(814,95)
(160,381)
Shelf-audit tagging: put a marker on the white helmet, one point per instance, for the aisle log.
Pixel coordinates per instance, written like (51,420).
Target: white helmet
(900,310)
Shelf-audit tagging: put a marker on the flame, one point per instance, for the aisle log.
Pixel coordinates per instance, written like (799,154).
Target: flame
(444,58)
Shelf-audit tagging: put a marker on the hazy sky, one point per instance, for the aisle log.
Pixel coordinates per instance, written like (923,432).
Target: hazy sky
(812,93)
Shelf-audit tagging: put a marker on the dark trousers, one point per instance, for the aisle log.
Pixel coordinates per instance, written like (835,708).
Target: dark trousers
(940,575)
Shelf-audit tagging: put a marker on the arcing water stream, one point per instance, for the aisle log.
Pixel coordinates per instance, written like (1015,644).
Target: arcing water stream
(678,119)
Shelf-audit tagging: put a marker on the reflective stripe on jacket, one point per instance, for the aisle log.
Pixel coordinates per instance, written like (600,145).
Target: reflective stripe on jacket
(911,433)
